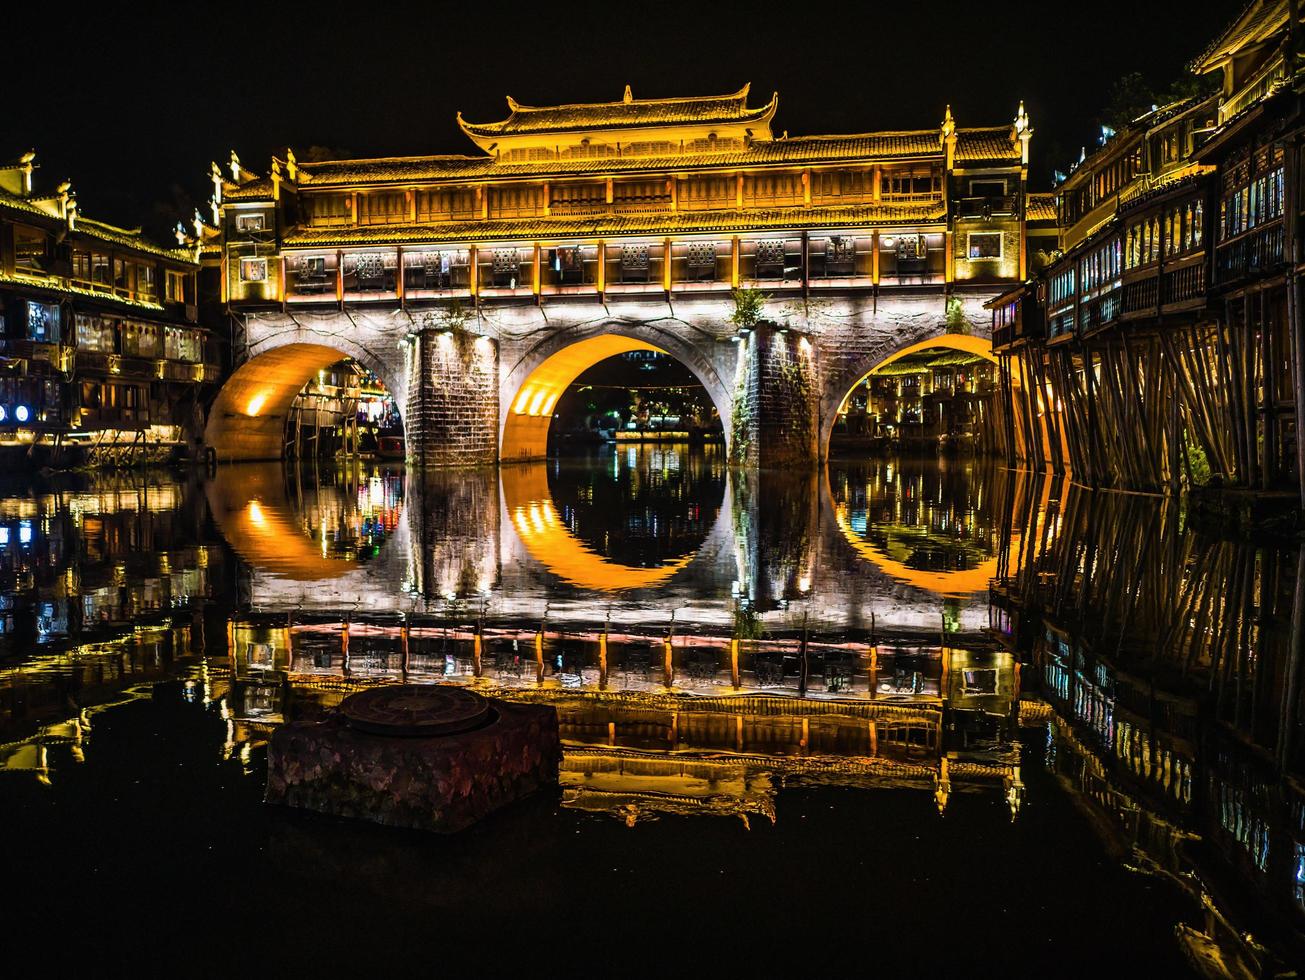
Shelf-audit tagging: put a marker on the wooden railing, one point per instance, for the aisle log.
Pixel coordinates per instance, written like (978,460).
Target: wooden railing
(1250,254)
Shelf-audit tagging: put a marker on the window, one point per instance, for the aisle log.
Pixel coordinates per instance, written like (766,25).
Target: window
(984,245)
(249,222)
(176,286)
(30,248)
(145,287)
(95,333)
(253,270)
(382,208)
(81,266)
(43,322)
(181,345)
(141,339)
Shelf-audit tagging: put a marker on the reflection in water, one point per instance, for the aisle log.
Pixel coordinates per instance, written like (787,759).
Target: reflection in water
(640,506)
(930,524)
(711,642)
(1171,660)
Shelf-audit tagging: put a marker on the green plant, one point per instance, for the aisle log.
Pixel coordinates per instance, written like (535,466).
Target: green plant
(955,317)
(1198,464)
(749,307)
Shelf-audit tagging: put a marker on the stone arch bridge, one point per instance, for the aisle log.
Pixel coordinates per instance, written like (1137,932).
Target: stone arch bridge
(485,391)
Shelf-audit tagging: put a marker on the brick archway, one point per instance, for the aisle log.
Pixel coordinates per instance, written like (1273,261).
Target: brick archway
(530,389)
(838,389)
(247,419)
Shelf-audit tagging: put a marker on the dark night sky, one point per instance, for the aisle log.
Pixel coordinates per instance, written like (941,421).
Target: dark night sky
(133,101)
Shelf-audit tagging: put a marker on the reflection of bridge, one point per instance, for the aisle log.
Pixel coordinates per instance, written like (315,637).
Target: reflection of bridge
(646,728)
(497,540)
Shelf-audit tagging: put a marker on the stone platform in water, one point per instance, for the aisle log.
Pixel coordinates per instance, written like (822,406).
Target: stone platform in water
(425,756)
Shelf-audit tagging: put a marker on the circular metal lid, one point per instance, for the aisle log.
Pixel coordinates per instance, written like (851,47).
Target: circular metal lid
(415,710)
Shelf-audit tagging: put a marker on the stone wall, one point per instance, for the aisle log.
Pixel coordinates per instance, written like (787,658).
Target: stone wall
(454,388)
(775,399)
(452,400)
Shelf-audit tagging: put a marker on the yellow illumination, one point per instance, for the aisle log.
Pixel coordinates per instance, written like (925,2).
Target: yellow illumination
(525,434)
(550,542)
(256,404)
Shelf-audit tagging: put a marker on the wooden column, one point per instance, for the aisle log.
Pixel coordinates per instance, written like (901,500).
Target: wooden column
(398,275)
(734,262)
(874,257)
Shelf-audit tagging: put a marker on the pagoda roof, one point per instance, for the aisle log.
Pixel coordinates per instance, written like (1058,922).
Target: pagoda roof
(88,227)
(993,143)
(1041,207)
(628,113)
(1258,21)
(862,148)
(570,227)
(130,238)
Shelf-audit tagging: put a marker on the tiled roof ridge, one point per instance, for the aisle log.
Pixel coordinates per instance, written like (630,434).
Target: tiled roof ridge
(741,96)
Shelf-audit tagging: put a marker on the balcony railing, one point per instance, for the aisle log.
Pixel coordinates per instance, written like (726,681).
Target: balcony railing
(987,207)
(1251,254)
(1184,285)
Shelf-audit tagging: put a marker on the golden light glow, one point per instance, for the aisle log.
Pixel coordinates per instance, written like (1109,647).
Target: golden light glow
(256,518)
(525,434)
(955,341)
(247,419)
(530,507)
(959,583)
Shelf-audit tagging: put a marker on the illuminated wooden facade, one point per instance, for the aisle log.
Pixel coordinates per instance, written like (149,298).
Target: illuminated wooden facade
(636,196)
(1164,345)
(102,345)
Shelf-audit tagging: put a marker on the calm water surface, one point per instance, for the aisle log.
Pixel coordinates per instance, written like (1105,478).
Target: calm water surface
(905,715)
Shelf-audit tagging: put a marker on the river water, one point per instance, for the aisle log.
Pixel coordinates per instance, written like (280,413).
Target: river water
(906,715)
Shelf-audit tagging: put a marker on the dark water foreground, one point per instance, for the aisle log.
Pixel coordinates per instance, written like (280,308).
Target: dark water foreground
(907,717)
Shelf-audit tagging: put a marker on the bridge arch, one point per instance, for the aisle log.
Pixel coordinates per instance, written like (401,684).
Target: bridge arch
(531,388)
(247,419)
(838,390)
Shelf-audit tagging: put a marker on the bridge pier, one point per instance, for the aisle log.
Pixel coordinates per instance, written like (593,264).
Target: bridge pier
(452,402)
(776,400)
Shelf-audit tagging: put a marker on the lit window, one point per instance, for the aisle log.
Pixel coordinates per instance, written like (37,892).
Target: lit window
(249,222)
(984,245)
(253,270)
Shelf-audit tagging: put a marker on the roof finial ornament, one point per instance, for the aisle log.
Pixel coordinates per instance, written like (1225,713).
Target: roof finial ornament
(629,96)
(291,164)
(67,204)
(215,175)
(1022,132)
(948,125)
(235,167)
(28,165)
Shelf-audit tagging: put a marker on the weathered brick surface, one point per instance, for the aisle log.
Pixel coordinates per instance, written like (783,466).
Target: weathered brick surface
(454,390)
(453,400)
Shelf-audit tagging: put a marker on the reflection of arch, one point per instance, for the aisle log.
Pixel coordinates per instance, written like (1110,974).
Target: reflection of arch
(959,583)
(550,542)
(247,421)
(535,383)
(254,514)
(838,391)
